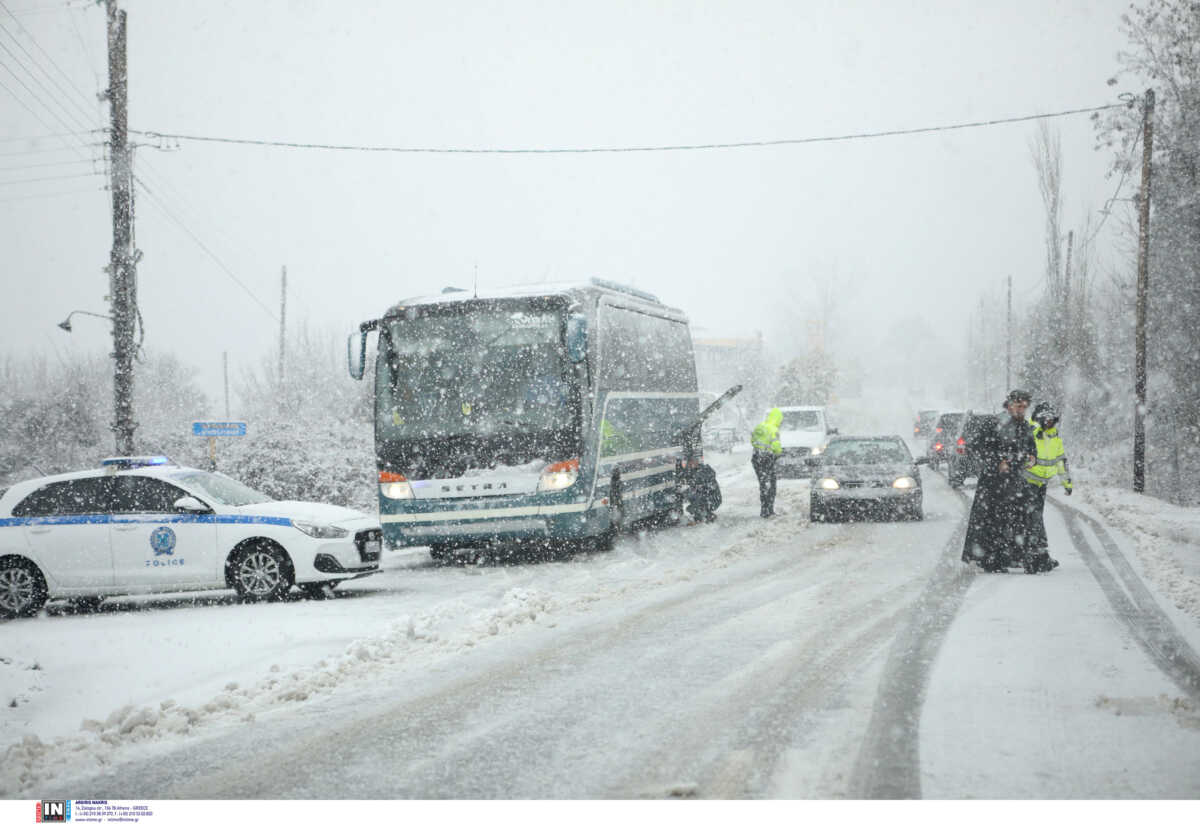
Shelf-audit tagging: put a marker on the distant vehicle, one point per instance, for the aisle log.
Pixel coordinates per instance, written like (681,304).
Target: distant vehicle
(941,438)
(923,425)
(865,476)
(550,412)
(803,433)
(143,525)
(961,463)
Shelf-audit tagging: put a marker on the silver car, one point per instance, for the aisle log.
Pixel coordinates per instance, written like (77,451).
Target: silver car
(865,476)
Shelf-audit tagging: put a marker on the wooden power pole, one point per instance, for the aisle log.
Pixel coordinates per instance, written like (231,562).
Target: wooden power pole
(122,268)
(1143,289)
(282,322)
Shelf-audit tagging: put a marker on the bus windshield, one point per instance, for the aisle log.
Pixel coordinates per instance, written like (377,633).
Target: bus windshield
(484,371)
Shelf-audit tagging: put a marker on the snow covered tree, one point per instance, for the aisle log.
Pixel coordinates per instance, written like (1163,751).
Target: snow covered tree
(807,380)
(1164,53)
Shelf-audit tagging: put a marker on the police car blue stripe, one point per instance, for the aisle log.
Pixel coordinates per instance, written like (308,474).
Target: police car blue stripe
(55,520)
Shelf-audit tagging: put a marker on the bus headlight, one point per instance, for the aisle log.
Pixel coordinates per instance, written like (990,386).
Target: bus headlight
(904,482)
(395,486)
(559,476)
(828,483)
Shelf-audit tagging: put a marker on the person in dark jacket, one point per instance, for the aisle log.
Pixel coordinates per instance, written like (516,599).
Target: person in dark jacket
(998,528)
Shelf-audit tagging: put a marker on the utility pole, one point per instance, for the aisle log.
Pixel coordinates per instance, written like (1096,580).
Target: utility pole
(1143,288)
(282,322)
(1008,341)
(122,271)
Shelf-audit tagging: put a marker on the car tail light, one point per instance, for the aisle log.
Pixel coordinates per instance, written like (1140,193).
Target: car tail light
(961,447)
(937,429)
(937,447)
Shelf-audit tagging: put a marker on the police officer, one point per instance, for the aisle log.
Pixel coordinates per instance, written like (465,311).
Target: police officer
(1051,461)
(767,449)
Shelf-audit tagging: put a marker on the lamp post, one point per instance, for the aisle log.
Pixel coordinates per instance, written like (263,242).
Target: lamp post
(66,324)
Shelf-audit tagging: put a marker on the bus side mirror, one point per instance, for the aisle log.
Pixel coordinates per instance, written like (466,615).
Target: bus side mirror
(577,335)
(356,356)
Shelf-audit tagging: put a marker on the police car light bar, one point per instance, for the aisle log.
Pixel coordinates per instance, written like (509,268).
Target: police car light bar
(133,462)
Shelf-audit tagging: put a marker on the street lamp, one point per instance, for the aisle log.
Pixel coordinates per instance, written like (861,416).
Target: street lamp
(66,324)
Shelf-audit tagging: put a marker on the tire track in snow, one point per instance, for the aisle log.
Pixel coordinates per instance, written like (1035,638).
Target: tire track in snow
(1134,605)
(889,761)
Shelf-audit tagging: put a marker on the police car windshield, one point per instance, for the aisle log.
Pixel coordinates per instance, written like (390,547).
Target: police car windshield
(222,489)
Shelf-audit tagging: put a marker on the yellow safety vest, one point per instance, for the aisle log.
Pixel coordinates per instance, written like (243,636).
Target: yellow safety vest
(765,437)
(1051,459)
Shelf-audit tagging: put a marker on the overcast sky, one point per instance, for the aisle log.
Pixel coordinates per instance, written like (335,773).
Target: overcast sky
(907,225)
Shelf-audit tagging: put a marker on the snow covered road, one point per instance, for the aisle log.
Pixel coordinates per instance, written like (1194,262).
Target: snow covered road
(741,659)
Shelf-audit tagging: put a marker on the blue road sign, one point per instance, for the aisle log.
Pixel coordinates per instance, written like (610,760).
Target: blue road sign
(216,429)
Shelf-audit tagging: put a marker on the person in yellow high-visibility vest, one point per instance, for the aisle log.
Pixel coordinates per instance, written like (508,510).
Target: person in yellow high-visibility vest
(1051,461)
(767,449)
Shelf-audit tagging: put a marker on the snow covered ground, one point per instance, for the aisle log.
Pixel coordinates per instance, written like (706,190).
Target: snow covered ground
(741,659)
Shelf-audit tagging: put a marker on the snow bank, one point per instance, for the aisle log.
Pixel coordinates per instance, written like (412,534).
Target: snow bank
(1167,538)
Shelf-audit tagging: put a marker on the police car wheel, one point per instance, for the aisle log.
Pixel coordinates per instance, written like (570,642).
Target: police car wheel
(261,573)
(22,588)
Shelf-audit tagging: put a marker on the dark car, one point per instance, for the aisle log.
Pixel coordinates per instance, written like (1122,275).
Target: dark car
(960,462)
(941,439)
(860,476)
(923,425)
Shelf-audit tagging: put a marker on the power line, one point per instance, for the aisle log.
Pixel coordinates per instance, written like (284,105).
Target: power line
(620,149)
(39,137)
(45,54)
(43,165)
(52,177)
(45,195)
(170,215)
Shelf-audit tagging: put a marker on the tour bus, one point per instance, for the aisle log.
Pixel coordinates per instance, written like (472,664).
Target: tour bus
(529,413)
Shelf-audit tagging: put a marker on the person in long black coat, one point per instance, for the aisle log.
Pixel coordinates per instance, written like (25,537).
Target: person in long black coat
(998,528)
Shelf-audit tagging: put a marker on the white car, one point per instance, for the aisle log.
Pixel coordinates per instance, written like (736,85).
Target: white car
(804,432)
(140,525)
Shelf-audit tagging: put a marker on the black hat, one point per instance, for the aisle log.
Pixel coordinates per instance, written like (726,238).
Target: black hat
(1017,395)
(1045,411)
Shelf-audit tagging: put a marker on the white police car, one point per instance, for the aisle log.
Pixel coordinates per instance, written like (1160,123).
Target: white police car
(140,525)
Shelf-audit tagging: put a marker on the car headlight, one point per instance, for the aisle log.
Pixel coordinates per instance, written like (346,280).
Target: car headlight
(828,483)
(395,486)
(816,450)
(559,476)
(904,482)
(320,530)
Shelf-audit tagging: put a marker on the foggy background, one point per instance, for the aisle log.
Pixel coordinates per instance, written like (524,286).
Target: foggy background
(904,228)
(500,144)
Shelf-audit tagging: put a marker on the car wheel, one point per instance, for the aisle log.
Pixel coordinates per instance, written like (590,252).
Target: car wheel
(816,512)
(22,588)
(261,573)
